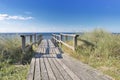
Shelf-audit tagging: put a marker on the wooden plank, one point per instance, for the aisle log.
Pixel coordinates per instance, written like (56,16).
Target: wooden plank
(31,71)
(50,72)
(61,69)
(81,70)
(37,70)
(55,70)
(42,50)
(43,70)
(50,67)
(51,43)
(57,50)
(71,74)
(52,51)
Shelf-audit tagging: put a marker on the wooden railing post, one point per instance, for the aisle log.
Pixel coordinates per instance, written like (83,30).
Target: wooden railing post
(61,38)
(34,37)
(75,41)
(23,43)
(39,38)
(66,38)
(30,38)
(55,37)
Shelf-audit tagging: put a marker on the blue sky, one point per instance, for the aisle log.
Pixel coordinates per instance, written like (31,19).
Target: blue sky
(59,15)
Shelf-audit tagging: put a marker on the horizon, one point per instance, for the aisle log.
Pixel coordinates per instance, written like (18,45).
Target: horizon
(45,32)
(21,16)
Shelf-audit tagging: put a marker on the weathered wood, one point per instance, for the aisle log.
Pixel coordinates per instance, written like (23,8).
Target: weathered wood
(62,70)
(24,40)
(50,72)
(48,66)
(23,43)
(31,39)
(43,70)
(72,75)
(55,70)
(66,38)
(82,70)
(60,40)
(34,37)
(66,73)
(71,47)
(31,71)
(56,39)
(37,75)
(75,41)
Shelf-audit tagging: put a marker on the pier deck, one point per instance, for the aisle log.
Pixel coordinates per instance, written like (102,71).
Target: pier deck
(50,64)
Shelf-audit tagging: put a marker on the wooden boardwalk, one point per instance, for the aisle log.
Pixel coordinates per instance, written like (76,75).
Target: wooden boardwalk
(50,64)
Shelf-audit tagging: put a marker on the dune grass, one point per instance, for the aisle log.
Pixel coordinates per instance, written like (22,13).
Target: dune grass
(13,72)
(99,49)
(13,62)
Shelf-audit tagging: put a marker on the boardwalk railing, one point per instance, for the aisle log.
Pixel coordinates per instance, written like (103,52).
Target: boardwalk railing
(31,38)
(59,38)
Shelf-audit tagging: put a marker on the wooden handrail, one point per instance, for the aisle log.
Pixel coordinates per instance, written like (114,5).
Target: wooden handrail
(60,40)
(32,36)
(72,35)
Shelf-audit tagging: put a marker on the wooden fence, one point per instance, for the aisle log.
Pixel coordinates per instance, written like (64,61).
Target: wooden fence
(59,38)
(33,39)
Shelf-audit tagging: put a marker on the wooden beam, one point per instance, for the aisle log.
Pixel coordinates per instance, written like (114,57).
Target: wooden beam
(75,41)
(23,42)
(72,35)
(66,38)
(59,38)
(34,37)
(30,38)
(71,47)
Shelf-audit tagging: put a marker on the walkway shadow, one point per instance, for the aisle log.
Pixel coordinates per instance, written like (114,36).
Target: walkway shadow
(37,55)
(59,56)
(43,55)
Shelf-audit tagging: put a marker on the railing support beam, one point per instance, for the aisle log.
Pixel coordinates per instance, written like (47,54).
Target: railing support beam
(30,38)
(23,43)
(75,41)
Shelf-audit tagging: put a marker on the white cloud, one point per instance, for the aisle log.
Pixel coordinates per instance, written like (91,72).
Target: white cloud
(9,17)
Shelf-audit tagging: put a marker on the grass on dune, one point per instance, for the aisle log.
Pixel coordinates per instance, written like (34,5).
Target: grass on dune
(13,62)
(99,49)
(13,72)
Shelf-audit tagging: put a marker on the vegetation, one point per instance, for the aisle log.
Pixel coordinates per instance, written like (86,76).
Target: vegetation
(13,62)
(99,49)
